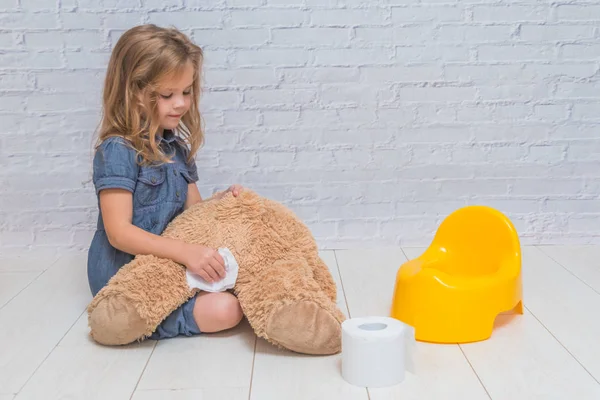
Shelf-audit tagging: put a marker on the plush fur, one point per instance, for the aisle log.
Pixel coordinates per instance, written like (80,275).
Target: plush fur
(285,290)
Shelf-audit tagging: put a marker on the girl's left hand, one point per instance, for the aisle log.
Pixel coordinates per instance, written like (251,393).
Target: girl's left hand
(234,189)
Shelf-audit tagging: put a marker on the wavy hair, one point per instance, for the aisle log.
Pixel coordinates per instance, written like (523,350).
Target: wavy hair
(142,57)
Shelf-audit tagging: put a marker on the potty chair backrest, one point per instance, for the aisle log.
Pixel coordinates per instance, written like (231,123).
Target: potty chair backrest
(475,241)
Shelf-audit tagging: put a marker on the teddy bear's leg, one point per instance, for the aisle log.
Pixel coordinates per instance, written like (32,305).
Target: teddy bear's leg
(287,307)
(322,275)
(136,300)
(115,321)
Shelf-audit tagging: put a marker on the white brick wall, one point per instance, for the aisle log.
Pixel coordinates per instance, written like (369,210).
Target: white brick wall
(371,119)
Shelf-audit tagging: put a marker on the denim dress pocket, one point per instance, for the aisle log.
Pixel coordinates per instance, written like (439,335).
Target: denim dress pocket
(151,188)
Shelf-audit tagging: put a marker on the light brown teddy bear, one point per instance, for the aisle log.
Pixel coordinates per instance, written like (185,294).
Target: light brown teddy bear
(285,290)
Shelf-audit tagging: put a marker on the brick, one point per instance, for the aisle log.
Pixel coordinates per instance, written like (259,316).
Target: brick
(237,38)
(7,40)
(580,51)
(73,81)
(586,112)
(535,186)
(187,19)
(423,14)
(514,53)
(546,153)
(108,4)
(510,13)
(122,20)
(514,92)
(437,94)
(280,118)
(550,112)
(26,20)
(584,151)
(545,33)
(30,59)
(274,18)
(319,75)
(240,118)
(275,159)
(215,58)
(278,97)
(430,53)
(583,223)
(578,12)
(272,58)
(87,59)
(237,159)
(358,228)
(311,36)
(473,34)
(352,157)
(82,20)
(347,95)
(424,73)
(578,90)
(370,36)
(16,81)
(314,159)
(344,57)
(211,101)
(345,17)
(243,77)
(323,229)
(60,102)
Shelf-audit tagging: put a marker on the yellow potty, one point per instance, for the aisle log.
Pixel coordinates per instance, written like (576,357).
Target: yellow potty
(470,273)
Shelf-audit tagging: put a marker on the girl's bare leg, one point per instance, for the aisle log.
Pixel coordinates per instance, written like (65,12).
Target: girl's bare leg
(214,312)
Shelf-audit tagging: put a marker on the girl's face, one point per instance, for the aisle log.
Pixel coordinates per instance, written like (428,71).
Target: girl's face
(174,97)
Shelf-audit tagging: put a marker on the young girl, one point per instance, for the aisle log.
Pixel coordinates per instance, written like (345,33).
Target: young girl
(145,174)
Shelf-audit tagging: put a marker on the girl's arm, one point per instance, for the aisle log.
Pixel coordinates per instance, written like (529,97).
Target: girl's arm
(193,196)
(117,214)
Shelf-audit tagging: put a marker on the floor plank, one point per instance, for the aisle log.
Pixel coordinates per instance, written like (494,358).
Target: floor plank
(522,352)
(525,355)
(440,371)
(210,361)
(283,374)
(80,369)
(11,283)
(582,261)
(36,320)
(329,259)
(228,393)
(565,305)
(33,262)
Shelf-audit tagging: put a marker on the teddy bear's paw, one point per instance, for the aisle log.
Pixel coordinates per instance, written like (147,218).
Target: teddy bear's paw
(114,321)
(305,327)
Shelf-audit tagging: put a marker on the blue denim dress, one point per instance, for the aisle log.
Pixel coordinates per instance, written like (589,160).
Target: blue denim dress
(159,194)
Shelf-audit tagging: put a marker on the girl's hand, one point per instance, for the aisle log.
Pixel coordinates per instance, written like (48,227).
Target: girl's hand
(205,262)
(234,189)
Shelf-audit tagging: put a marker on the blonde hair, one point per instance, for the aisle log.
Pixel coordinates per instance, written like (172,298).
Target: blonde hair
(142,57)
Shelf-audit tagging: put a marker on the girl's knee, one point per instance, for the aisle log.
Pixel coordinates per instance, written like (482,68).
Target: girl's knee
(229,310)
(217,311)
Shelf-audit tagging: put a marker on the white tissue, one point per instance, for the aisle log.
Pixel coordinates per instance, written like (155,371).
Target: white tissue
(231,273)
(375,351)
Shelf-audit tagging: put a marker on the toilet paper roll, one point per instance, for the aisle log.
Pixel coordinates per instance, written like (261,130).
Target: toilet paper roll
(375,351)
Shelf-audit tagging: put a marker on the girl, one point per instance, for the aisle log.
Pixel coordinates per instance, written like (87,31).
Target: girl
(145,174)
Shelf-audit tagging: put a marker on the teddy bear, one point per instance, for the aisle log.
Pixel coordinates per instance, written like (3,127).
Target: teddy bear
(285,290)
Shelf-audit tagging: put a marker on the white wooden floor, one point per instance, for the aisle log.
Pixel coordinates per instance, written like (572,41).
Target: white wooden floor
(551,352)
